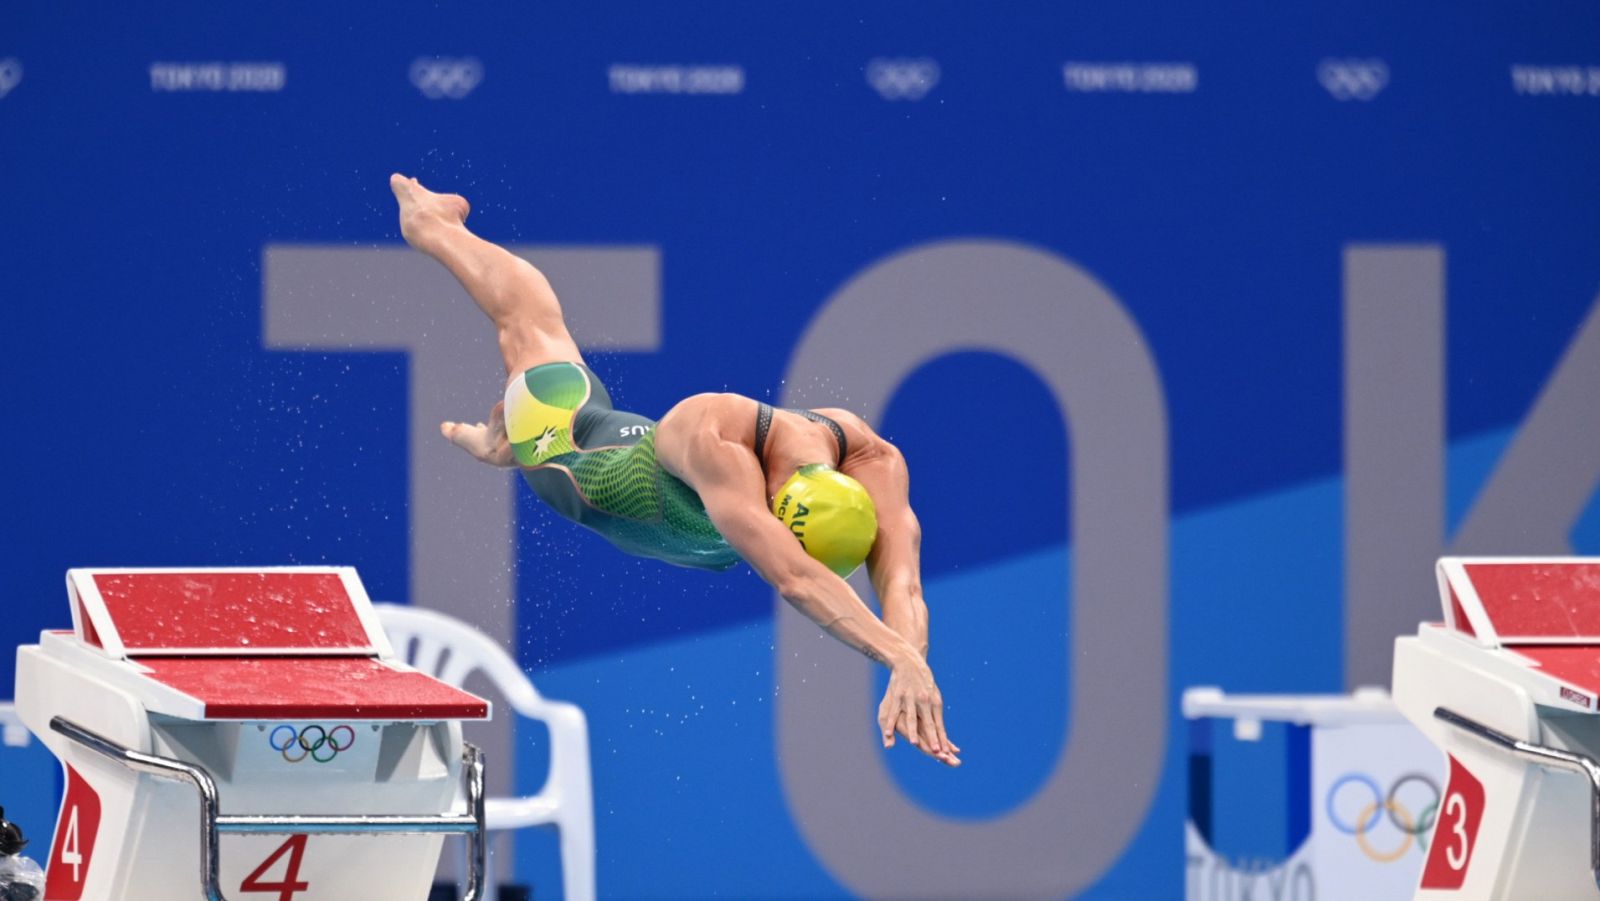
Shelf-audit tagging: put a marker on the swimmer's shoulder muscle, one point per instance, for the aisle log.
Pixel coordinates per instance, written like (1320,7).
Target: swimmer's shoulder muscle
(700,421)
(707,440)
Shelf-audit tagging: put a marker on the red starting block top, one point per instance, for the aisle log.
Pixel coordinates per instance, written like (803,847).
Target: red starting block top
(312,688)
(1522,600)
(1576,666)
(284,643)
(300,610)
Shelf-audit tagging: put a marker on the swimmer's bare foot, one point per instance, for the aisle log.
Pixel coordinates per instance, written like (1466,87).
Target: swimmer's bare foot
(423,213)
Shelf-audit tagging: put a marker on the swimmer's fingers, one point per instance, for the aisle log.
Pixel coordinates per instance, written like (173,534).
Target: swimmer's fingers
(886,722)
(903,727)
(912,727)
(945,757)
(929,714)
(944,737)
(919,716)
(950,750)
(930,729)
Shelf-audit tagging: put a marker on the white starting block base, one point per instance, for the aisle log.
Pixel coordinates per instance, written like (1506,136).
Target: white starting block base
(1516,660)
(276,693)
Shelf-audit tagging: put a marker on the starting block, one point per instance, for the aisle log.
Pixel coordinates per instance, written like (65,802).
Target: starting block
(244,733)
(1507,686)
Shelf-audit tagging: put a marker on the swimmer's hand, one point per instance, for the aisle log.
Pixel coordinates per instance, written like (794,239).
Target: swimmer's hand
(486,442)
(914,708)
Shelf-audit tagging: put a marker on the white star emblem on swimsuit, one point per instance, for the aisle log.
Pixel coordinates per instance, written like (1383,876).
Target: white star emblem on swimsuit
(546,438)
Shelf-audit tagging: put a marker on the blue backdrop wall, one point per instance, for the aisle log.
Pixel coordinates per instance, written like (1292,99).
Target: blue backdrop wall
(1217,170)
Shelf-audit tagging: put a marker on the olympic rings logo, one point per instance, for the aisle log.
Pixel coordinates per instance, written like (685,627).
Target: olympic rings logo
(1353,79)
(1384,804)
(903,79)
(315,742)
(443,77)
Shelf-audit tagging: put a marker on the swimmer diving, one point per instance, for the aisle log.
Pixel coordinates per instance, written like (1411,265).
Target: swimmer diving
(804,497)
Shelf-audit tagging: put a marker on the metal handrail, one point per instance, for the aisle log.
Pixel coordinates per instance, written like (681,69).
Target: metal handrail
(1545,756)
(212,822)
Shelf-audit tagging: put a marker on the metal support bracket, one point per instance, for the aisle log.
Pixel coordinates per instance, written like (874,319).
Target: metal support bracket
(1544,756)
(213,822)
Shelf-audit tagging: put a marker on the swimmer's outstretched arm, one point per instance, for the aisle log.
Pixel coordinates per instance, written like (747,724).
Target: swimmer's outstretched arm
(729,481)
(895,564)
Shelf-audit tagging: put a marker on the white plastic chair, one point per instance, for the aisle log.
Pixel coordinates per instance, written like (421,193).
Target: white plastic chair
(451,650)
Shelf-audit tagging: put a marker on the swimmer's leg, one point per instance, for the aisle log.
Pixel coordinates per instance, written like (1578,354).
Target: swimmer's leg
(515,296)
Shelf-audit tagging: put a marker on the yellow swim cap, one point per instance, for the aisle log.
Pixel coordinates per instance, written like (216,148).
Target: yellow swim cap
(831,514)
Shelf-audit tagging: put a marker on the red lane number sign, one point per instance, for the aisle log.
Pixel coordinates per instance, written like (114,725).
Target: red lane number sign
(73,848)
(290,885)
(1455,834)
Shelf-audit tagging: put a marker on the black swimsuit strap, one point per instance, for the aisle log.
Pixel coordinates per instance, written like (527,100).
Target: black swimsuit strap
(838,433)
(764,425)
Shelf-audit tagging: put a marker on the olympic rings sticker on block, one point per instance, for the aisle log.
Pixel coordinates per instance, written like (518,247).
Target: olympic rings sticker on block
(319,743)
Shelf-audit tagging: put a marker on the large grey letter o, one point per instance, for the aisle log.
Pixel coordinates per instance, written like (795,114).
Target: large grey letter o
(1055,318)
